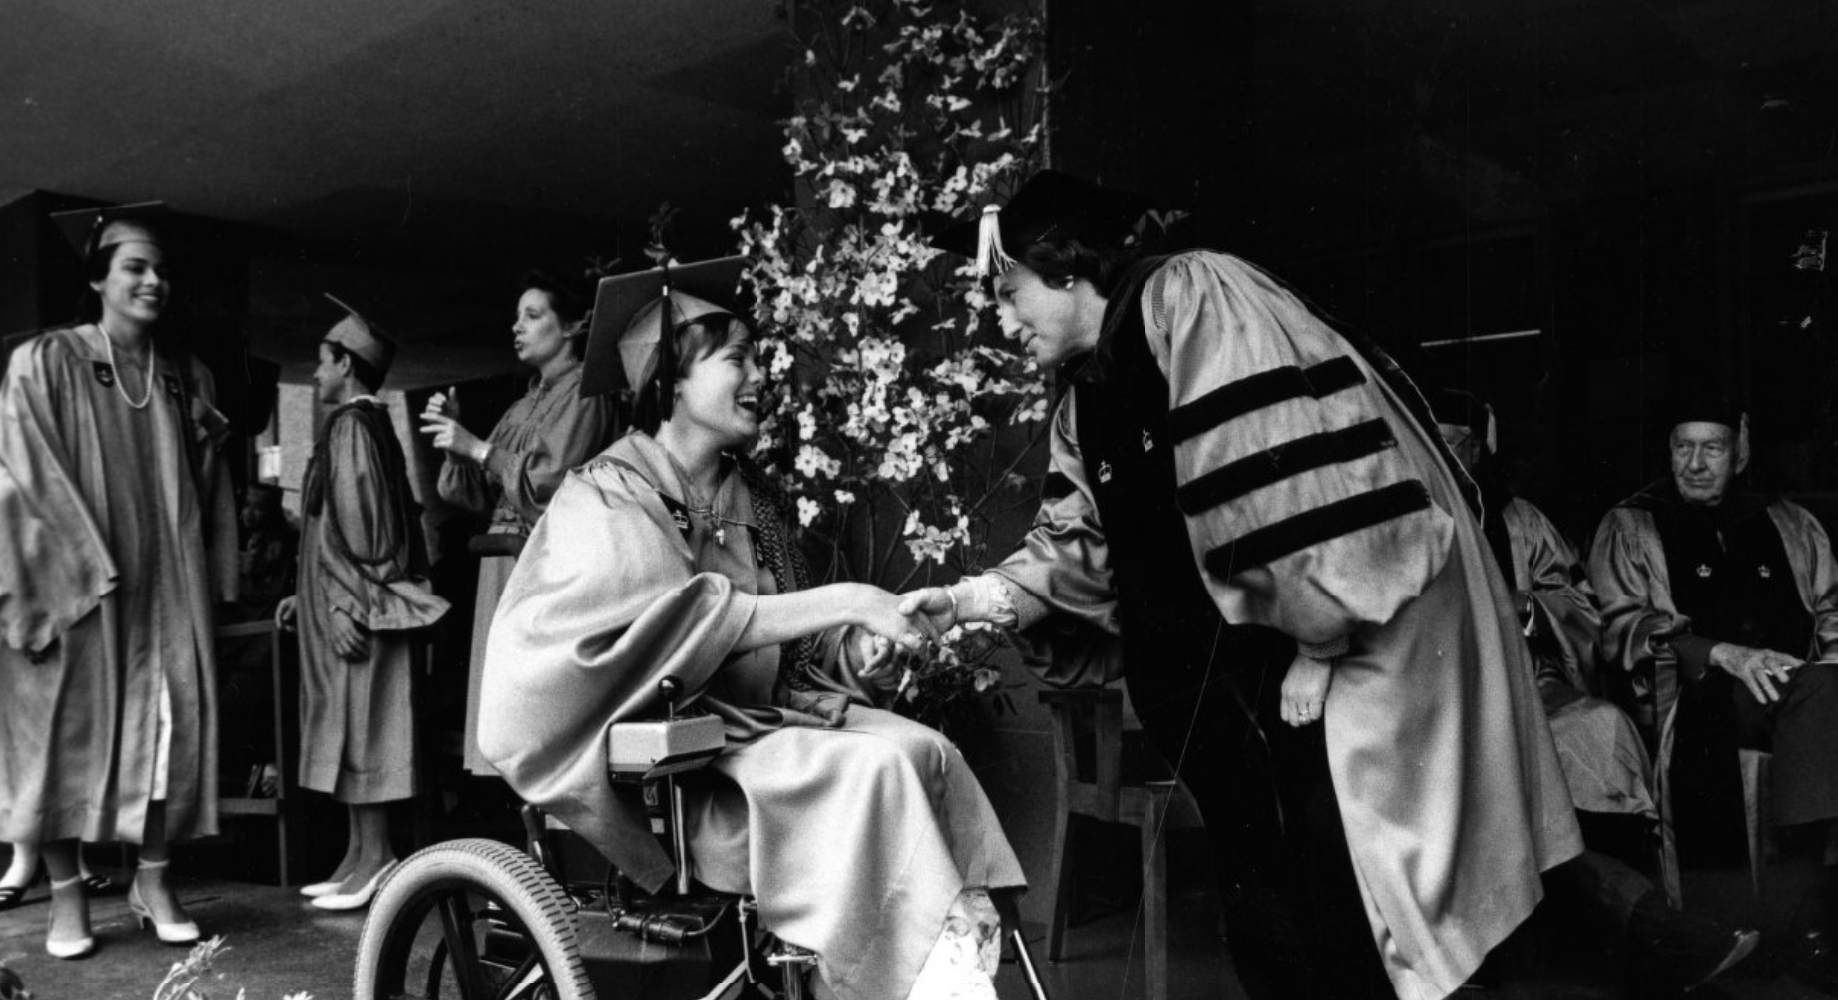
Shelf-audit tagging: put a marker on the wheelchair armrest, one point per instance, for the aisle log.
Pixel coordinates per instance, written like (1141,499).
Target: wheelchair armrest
(644,751)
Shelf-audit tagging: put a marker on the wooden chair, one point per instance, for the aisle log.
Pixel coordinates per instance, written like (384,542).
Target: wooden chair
(1098,779)
(284,747)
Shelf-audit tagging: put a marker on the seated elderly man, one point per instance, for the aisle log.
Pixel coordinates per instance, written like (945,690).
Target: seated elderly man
(1731,596)
(1605,766)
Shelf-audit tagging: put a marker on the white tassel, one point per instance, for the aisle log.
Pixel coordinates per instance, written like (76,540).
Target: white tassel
(1493,431)
(991,259)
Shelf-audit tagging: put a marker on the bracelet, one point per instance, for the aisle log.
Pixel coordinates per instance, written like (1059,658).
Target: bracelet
(952,594)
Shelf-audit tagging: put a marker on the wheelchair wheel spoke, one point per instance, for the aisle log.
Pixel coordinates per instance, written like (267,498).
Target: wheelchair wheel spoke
(435,963)
(523,980)
(456,932)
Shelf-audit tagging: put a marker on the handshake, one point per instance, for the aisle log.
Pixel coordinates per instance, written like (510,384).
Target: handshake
(894,628)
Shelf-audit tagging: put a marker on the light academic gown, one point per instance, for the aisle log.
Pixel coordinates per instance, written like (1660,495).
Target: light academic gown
(550,430)
(357,733)
(119,530)
(1627,567)
(1449,787)
(854,828)
(1604,762)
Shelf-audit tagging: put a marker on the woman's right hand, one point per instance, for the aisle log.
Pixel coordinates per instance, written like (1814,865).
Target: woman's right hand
(879,612)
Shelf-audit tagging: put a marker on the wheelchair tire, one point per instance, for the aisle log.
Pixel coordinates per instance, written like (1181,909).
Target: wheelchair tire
(462,889)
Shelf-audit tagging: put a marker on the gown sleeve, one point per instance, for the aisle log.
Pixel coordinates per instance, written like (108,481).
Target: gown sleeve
(368,575)
(1059,581)
(58,566)
(604,602)
(565,439)
(1627,570)
(1304,513)
(1809,551)
(1565,622)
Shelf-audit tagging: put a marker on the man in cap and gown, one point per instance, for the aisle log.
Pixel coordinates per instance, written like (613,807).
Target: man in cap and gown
(1604,761)
(1259,509)
(358,600)
(119,528)
(856,830)
(1721,604)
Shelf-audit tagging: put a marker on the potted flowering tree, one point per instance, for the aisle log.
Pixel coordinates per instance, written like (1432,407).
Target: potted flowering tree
(904,423)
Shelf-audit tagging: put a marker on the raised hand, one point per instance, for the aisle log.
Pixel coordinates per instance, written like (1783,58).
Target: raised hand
(449,435)
(443,404)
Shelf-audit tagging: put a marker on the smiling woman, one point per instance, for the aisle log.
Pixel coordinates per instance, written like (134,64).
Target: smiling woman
(116,501)
(670,555)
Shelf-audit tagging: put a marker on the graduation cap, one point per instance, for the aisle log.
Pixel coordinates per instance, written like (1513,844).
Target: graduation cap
(89,230)
(361,337)
(626,345)
(1692,407)
(1052,205)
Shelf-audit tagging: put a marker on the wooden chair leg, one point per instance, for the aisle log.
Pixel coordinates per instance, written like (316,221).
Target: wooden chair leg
(1060,878)
(1155,902)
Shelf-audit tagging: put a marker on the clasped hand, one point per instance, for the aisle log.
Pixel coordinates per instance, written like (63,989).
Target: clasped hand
(887,633)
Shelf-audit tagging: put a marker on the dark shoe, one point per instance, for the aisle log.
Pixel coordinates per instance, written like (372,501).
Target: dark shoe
(10,896)
(1680,951)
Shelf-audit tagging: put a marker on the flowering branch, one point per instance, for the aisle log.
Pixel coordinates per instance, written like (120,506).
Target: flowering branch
(901,411)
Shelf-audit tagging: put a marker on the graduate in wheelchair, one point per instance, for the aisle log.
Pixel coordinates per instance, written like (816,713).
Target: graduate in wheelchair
(855,832)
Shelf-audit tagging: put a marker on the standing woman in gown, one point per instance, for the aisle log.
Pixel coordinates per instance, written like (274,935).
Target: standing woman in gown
(121,532)
(513,472)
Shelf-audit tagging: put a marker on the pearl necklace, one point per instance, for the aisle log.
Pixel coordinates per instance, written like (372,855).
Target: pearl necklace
(108,344)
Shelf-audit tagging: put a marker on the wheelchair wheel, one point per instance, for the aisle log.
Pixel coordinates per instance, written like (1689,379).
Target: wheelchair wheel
(469,920)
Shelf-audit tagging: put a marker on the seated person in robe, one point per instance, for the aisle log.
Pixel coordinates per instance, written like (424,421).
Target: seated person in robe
(669,555)
(1722,604)
(1604,762)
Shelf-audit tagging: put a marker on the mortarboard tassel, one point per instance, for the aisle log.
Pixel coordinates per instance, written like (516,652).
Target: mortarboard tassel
(663,382)
(991,259)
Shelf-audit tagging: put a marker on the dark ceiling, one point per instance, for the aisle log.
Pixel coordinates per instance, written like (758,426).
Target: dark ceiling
(421,152)
(429,146)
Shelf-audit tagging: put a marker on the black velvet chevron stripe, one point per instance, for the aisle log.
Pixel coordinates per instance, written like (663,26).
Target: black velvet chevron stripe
(1252,472)
(1057,486)
(1254,392)
(1343,517)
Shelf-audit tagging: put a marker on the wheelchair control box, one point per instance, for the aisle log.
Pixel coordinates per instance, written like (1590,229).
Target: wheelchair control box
(667,947)
(646,751)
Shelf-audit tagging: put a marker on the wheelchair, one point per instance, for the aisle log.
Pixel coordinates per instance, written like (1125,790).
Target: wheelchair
(476,919)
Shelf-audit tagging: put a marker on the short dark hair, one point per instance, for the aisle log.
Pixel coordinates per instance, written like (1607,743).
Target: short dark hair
(695,340)
(365,372)
(1101,264)
(568,300)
